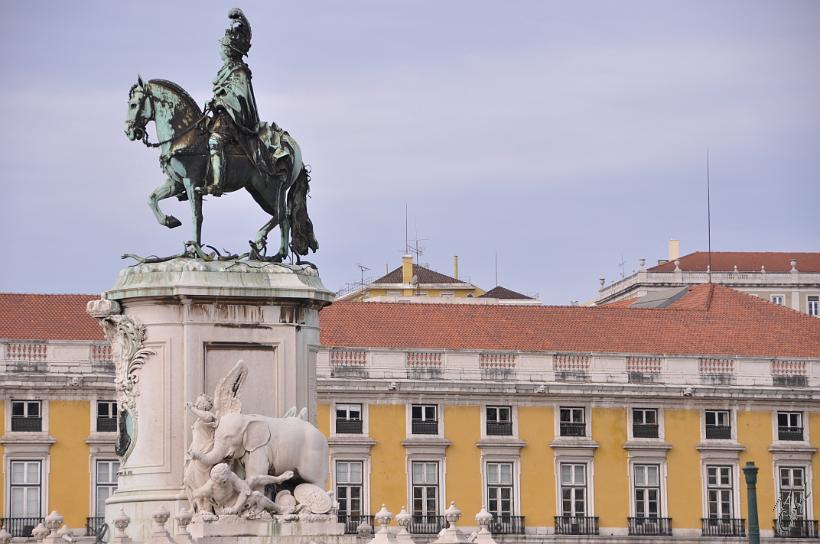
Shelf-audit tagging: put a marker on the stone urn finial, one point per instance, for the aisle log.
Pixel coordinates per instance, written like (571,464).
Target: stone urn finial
(53,523)
(793,263)
(183,518)
(383,518)
(161,516)
(5,536)
(452,514)
(403,519)
(642,263)
(40,532)
(483,518)
(677,265)
(121,521)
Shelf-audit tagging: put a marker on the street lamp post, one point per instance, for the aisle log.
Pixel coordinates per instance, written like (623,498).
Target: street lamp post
(750,472)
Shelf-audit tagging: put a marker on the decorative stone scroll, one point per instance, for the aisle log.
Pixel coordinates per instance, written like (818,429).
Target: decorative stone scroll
(126,337)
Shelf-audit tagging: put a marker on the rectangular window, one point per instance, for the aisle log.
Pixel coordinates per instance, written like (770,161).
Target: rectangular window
(777,299)
(26,416)
(25,488)
(571,422)
(814,306)
(645,423)
(719,493)
(792,492)
(647,491)
(573,489)
(425,489)
(106,416)
(718,424)
(106,483)
(349,488)
(500,490)
(499,421)
(790,425)
(349,418)
(424,419)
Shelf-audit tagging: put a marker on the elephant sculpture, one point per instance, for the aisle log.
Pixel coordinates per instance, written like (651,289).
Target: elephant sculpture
(267,446)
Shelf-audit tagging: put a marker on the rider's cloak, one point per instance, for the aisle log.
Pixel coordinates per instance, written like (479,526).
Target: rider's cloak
(233,91)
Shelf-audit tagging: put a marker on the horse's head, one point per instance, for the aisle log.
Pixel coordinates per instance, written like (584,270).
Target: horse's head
(140,110)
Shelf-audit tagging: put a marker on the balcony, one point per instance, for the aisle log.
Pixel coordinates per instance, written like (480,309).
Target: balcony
(719,432)
(723,527)
(790,433)
(348,426)
(645,430)
(576,525)
(795,528)
(573,429)
(20,527)
(650,526)
(95,526)
(424,427)
(427,524)
(106,424)
(352,522)
(499,428)
(507,525)
(25,424)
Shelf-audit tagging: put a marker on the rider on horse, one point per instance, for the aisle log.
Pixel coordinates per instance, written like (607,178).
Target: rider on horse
(235,117)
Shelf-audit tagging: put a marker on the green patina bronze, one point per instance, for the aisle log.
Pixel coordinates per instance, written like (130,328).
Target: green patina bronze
(223,149)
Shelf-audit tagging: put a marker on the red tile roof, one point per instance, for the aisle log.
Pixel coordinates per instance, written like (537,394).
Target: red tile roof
(424,275)
(47,317)
(746,261)
(709,320)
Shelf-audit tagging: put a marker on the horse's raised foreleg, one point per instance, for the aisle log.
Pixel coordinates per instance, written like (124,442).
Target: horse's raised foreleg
(166,190)
(195,198)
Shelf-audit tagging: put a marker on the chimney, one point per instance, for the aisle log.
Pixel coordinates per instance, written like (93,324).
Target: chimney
(455,266)
(406,268)
(674,249)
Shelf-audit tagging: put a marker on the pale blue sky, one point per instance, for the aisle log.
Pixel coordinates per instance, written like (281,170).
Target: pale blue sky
(564,136)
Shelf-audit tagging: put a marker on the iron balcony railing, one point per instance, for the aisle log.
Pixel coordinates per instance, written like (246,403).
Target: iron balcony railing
(795,528)
(94,526)
(723,527)
(790,433)
(645,430)
(499,428)
(427,524)
(352,522)
(507,525)
(573,429)
(25,424)
(650,526)
(106,424)
(349,426)
(20,527)
(576,525)
(719,432)
(425,426)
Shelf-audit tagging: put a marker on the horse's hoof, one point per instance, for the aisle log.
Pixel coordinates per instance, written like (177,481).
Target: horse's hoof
(171,222)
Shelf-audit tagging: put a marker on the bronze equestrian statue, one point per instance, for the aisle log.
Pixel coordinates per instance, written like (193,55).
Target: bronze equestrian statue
(223,149)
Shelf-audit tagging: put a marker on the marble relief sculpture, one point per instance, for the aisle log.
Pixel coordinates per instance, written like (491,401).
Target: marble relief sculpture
(234,457)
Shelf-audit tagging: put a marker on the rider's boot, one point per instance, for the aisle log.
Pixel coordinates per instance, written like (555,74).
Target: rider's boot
(215,145)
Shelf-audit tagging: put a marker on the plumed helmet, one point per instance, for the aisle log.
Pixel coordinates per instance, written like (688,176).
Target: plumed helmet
(238,34)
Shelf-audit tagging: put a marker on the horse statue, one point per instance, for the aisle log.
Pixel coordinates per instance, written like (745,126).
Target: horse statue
(275,177)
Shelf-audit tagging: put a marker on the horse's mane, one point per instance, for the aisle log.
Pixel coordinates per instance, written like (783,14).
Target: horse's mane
(176,89)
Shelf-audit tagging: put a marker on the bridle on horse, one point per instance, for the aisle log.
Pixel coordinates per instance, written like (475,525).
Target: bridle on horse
(146,93)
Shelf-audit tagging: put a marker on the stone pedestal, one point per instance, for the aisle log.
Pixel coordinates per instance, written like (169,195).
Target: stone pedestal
(176,328)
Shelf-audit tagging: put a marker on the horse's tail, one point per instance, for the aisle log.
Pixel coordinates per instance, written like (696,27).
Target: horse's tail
(301,233)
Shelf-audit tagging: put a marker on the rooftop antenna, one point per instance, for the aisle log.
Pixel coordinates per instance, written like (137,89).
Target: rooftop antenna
(362,268)
(406,242)
(708,223)
(621,264)
(496,269)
